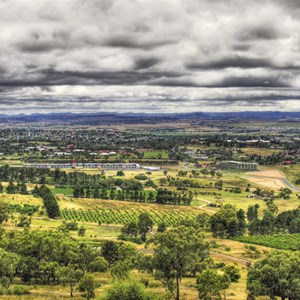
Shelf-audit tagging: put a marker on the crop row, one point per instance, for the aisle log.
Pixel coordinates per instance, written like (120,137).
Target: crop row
(277,241)
(116,216)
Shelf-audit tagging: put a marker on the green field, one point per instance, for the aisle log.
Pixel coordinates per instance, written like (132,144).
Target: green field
(156,154)
(63,191)
(277,241)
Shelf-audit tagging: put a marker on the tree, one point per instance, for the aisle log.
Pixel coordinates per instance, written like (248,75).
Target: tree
(87,286)
(219,175)
(278,275)
(70,276)
(210,284)
(204,172)
(50,202)
(162,227)
(175,251)
(163,181)
(202,219)
(252,213)
(81,231)
(120,173)
(4,211)
(241,221)
(145,223)
(233,272)
(219,185)
(8,263)
(110,252)
(11,187)
(5,282)
(225,222)
(120,270)
(98,265)
(131,229)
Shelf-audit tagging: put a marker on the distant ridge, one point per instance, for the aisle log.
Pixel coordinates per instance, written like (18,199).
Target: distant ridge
(109,117)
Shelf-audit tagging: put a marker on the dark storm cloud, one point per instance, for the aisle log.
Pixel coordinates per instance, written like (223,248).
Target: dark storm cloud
(253,81)
(146,63)
(134,43)
(232,62)
(259,33)
(51,77)
(142,55)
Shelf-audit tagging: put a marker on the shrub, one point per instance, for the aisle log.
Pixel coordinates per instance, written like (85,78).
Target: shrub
(20,290)
(233,272)
(99,265)
(141,177)
(128,291)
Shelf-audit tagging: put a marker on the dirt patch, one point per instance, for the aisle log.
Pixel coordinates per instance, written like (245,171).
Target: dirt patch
(272,179)
(267,173)
(267,182)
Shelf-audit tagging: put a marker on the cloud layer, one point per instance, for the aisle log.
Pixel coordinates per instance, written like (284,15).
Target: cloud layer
(149,56)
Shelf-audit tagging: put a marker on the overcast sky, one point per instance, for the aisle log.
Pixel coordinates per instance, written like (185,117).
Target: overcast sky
(149,55)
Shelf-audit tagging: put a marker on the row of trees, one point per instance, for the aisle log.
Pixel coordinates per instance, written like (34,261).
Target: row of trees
(229,222)
(49,200)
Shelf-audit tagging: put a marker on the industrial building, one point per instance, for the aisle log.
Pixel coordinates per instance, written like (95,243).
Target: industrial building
(238,165)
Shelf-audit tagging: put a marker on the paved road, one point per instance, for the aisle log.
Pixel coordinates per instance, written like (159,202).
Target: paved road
(283,180)
(290,185)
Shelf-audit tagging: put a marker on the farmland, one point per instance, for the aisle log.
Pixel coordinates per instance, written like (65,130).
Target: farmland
(278,241)
(236,212)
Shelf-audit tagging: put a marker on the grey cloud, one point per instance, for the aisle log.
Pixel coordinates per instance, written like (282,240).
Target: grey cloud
(232,62)
(51,77)
(254,81)
(145,63)
(259,33)
(134,42)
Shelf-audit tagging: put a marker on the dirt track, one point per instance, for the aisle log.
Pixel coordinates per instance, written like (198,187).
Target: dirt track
(231,258)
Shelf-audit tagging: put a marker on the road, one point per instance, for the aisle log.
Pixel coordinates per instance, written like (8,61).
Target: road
(290,185)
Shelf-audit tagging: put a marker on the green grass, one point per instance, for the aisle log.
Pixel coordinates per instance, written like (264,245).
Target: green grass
(155,154)
(63,191)
(277,241)
(292,172)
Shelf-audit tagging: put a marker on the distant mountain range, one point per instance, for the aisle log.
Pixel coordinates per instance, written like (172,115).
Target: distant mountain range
(113,118)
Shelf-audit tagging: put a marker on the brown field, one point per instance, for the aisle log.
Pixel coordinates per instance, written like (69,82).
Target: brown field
(267,173)
(269,183)
(268,178)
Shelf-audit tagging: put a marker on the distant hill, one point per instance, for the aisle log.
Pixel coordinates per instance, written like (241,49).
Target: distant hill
(115,118)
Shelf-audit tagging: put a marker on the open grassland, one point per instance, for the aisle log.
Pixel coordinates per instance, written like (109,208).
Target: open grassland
(236,291)
(292,172)
(155,154)
(278,241)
